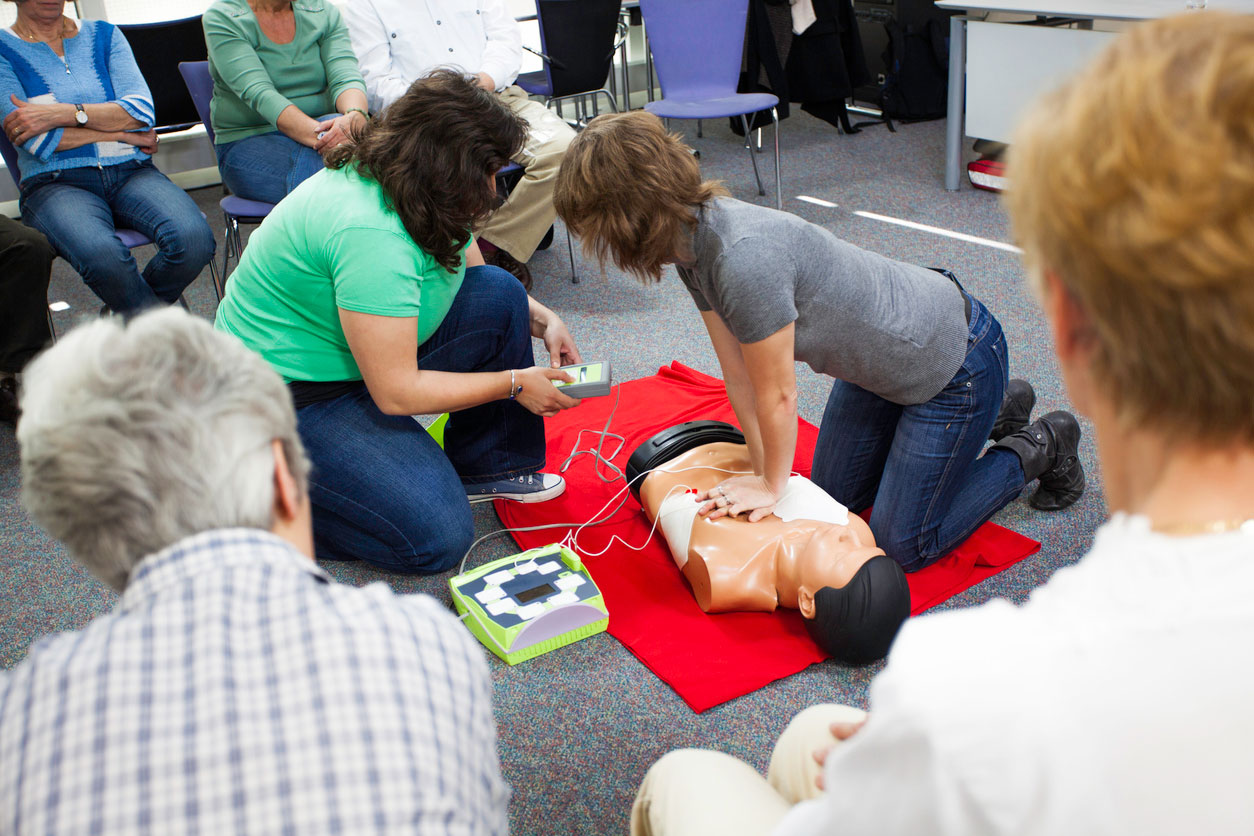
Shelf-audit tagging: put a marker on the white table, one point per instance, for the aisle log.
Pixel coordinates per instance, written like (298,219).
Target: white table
(996,69)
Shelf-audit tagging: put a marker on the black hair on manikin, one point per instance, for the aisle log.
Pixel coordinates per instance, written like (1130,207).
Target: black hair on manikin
(857,623)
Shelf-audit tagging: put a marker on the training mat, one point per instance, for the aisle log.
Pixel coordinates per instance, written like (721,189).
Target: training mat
(708,659)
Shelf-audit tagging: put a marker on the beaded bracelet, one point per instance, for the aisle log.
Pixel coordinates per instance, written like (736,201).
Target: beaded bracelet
(358,110)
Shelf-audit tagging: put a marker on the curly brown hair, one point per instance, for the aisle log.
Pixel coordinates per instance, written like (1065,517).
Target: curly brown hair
(434,152)
(628,188)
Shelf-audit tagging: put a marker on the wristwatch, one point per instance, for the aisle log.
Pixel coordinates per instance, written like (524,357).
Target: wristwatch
(81,115)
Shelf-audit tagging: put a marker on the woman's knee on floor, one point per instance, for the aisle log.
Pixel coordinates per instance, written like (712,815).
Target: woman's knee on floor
(411,545)
(905,543)
(499,289)
(793,770)
(696,792)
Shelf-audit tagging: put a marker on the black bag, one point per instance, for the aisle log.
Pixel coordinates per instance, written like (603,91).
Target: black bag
(916,84)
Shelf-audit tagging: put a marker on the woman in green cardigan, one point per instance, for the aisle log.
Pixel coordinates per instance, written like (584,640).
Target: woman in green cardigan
(277,66)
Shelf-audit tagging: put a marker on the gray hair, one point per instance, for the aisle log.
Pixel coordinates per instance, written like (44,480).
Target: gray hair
(135,436)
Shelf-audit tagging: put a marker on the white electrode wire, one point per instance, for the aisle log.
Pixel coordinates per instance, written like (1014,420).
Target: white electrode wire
(575,529)
(596,519)
(599,457)
(574,538)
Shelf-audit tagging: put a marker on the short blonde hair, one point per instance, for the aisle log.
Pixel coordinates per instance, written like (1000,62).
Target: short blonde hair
(627,187)
(1134,185)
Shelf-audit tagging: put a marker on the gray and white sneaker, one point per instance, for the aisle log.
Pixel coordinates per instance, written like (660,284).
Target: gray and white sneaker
(521,487)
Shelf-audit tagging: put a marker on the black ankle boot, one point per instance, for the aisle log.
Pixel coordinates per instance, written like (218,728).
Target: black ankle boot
(1016,409)
(1048,450)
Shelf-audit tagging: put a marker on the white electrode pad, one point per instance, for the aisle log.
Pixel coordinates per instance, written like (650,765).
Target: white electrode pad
(802,500)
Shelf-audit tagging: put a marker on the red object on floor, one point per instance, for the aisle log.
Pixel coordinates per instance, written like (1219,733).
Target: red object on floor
(707,659)
(989,175)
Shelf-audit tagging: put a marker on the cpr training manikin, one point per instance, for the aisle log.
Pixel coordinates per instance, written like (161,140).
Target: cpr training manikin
(811,554)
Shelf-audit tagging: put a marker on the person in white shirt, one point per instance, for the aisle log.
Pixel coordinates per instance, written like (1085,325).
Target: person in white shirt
(235,688)
(399,41)
(1117,699)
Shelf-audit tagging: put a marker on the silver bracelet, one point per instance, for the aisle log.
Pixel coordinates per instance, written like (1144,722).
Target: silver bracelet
(513,390)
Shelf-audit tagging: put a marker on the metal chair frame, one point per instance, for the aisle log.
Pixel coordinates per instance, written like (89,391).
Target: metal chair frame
(235,210)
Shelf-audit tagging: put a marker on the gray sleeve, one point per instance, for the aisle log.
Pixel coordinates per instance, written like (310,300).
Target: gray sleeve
(690,281)
(754,282)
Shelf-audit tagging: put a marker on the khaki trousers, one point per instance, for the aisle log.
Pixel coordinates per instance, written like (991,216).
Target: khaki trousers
(696,792)
(520,224)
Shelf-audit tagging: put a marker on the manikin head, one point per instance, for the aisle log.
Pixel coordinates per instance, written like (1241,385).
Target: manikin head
(812,556)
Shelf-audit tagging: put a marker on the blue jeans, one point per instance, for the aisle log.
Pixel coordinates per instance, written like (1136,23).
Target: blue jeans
(266,167)
(77,209)
(920,465)
(382,490)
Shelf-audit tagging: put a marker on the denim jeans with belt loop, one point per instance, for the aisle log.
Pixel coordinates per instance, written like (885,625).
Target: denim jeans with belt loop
(920,465)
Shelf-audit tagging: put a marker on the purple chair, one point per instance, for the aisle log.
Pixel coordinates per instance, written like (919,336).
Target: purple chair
(578,39)
(235,210)
(697,47)
(130,238)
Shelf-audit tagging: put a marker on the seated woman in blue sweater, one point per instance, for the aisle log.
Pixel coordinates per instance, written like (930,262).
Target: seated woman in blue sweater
(80,115)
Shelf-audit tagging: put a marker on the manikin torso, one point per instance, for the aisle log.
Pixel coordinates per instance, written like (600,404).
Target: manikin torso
(735,565)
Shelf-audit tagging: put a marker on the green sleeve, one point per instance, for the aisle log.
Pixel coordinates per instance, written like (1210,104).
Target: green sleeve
(239,67)
(375,271)
(338,57)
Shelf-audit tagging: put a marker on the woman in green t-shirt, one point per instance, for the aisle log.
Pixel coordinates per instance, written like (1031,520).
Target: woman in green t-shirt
(366,291)
(277,68)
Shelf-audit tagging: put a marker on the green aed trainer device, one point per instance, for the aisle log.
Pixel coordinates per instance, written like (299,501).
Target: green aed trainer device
(527,604)
(591,380)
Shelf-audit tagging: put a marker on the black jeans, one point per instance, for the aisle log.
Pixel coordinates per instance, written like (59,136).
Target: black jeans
(25,266)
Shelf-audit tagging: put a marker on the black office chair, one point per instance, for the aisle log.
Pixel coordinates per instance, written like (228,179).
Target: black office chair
(578,39)
(159,48)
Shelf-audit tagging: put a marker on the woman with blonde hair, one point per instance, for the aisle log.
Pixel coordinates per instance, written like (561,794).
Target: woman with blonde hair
(1069,715)
(920,365)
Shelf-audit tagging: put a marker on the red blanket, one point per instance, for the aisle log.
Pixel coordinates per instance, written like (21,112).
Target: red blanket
(707,659)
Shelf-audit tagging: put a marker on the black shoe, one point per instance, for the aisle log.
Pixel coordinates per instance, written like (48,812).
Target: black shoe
(499,258)
(1048,449)
(9,411)
(1016,409)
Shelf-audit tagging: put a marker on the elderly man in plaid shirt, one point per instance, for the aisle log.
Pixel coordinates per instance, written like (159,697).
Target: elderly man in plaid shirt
(235,688)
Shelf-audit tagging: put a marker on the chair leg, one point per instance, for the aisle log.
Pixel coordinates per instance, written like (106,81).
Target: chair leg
(609,97)
(570,247)
(218,287)
(757,139)
(744,120)
(779,185)
(52,328)
(699,134)
(227,245)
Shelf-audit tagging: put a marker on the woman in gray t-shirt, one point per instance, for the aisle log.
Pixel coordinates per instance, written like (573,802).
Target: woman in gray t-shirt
(920,366)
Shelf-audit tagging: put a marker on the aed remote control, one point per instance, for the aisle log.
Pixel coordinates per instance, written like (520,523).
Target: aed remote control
(591,380)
